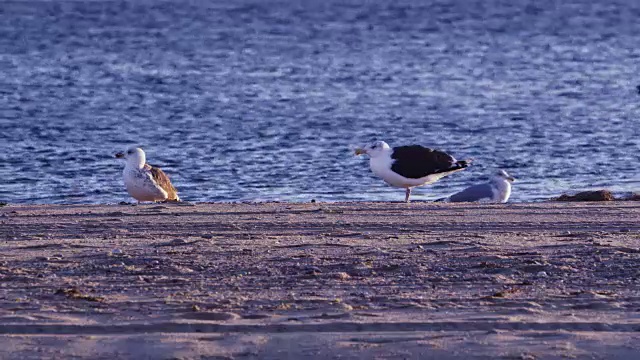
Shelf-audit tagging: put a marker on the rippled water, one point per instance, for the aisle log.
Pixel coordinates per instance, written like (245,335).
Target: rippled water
(258,100)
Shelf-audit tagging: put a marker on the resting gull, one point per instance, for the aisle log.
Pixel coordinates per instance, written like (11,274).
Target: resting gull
(410,166)
(497,190)
(143,181)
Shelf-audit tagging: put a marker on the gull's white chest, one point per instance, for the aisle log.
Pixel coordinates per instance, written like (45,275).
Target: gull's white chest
(503,191)
(140,185)
(381,166)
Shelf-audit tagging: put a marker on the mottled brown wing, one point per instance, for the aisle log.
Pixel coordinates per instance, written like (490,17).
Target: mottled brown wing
(417,161)
(164,182)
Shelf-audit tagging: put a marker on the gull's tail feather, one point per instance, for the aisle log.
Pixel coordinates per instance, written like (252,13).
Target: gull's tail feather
(457,166)
(462,164)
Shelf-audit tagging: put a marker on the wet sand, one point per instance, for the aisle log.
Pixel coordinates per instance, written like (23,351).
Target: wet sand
(328,281)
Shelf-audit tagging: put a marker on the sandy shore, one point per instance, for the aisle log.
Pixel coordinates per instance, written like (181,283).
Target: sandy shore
(343,280)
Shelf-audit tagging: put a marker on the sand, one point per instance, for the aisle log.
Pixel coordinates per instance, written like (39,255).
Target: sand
(320,280)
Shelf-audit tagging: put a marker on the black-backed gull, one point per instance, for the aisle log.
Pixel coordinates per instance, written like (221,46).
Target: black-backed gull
(410,166)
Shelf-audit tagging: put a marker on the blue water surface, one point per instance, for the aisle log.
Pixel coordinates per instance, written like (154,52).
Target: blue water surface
(266,100)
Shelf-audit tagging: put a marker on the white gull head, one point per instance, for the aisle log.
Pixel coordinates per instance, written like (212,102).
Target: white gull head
(135,157)
(375,149)
(502,175)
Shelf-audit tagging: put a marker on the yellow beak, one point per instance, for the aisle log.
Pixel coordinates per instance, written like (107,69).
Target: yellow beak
(360,151)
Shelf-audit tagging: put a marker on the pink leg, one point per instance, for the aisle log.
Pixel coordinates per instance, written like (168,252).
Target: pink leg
(407,194)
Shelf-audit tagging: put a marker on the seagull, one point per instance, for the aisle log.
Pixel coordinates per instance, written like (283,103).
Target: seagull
(410,166)
(497,190)
(143,181)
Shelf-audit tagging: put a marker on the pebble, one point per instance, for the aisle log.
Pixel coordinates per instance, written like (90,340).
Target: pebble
(312,270)
(176,242)
(210,316)
(533,268)
(345,307)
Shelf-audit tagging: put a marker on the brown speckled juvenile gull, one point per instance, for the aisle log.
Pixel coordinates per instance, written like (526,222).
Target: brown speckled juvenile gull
(143,181)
